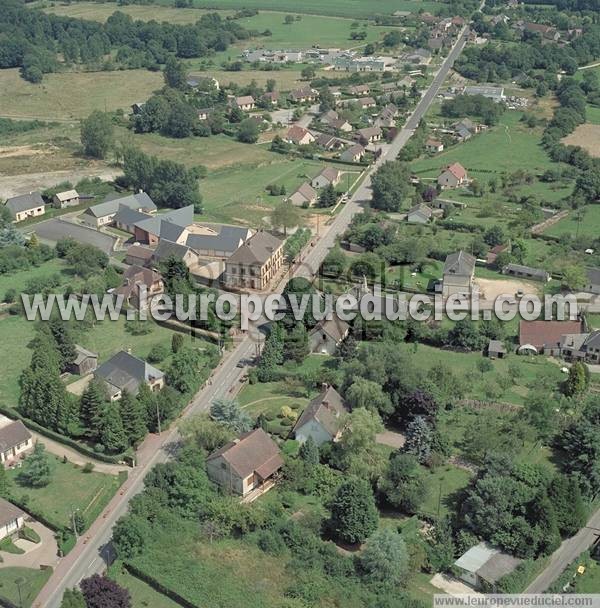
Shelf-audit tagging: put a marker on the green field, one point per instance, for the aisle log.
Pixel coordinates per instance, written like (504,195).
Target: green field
(30,581)
(69,489)
(442,485)
(342,8)
(583,222)
(592,114)
(48,101)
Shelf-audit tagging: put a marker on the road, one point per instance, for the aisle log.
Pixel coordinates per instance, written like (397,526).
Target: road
(567,553)
(91,552)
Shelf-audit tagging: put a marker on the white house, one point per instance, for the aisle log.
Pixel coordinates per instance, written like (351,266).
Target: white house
(12,519)
(325,177)
(15,440)
(323,418)
(327,335)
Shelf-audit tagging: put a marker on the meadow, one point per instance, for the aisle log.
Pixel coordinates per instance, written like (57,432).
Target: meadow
(582,222)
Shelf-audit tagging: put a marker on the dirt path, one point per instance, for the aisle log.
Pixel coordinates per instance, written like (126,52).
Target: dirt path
(12,185)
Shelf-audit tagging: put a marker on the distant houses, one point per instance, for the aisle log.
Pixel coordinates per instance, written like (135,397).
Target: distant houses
(303,95)
(365,102)
(245,464)
(323,419)
(25,206)
(245,103)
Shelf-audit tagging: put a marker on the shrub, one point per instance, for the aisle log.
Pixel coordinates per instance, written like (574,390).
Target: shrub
(271,542)
(88,467)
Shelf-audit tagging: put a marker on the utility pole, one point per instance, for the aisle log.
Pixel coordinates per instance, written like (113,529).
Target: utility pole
(74,522)
(18,582)
(158,417)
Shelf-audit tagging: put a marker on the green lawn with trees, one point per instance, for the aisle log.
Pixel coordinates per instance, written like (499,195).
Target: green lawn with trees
(29,581)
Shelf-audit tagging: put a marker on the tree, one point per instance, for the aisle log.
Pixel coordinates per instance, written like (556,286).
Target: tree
(403,485)
(296,346)
(578,380)
(309,452)
(248,131)
(363,393)
(565,494)
(4,485)
(97,134)
(229,413)
(335,261)
(285,216)
(494,235)
(133,418)
(574,277)
(390,186)
(289,19)
(354,516)
(36,471)
(91,407)
(385,559)
(465,335)
(129,536)
(182,374)
(419,438)
(308,73)
(73,598)
(205,433)
(328,196)
(175,73)
(111,432)
(177,342)
(101,592)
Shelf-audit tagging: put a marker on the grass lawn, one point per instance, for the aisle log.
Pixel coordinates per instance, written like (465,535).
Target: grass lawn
(442,484)
(18,280)
(47,101)
(594,320)
(69,489)
(31,582)
(465,364)
(142,595)
(432,270)
(583,222)
(592,114)
(589,582)
(268,398)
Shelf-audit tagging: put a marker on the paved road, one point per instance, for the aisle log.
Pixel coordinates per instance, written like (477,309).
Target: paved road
(91,553)
(567,553)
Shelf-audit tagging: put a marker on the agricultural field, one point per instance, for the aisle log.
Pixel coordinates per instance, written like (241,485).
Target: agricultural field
(584,222)
(31,581)
(587,136)
(70,489)
(47,101)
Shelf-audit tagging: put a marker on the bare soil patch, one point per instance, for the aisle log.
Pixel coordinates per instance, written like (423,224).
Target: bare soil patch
(587,136)
(490,289)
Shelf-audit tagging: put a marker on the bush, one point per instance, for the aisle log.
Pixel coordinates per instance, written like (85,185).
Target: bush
(271,542)
(29,534)
(158,353)
(88,467)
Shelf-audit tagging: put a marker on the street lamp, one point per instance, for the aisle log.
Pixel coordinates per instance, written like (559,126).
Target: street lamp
(18,582)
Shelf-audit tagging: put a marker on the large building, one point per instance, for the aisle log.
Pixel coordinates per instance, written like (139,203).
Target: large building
(125,373)
(103,213)
(245,464)
(255,263)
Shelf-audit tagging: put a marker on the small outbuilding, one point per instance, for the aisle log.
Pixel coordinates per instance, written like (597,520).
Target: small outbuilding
(483,566)
(85,361)
(496,349)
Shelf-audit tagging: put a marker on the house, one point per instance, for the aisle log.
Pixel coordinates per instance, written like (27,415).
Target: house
(496,349)
(593,281)
(68,198)
(329,142)
(103,213)
(270,97)
(459,269)
(85,361)
(583,346)
(323,418)
(419,214)
(245,464)
(138,256)
(546,31)
(174,226)
(299,136)
(365,102)
(461,133)
(544,337)
(15,440)
(437,43)
(368,135)
(353,154)
(494,93)
(218,241)
(255,263)
(359,64)
(167,249)
(139,286)
(12,519)
(387,116)
(453,176)
(125,372)
(24,206)
(341,125)
(327,117)
(327,176)
(359,89)
(303,95)
(327,335)
(245,103)
(304,196)
(204,113)
(483,566)
(526,272)
(494,252)
(418,57)
(434,145)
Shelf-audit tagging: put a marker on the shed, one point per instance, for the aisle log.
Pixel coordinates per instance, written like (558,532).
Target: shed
(496,349)
(482,566)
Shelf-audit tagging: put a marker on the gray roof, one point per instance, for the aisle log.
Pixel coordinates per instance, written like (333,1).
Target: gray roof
(166,249)
(257,249)
(128,216)
(463,132)
(307,191)
(527,270)
(127,372)
(12,434)
(24,202)
(335,328)
(421,209)
(8,512)
(169,225)
(352,151)
(496,346)
(228,239)
(139,200)
(489,563)
(327,408)
(460,263)
(593,275)
(592,340)
(83,354)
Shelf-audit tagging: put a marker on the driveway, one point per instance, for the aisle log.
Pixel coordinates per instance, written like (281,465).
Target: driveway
(56,229)
(391,439)
(44,553)
(451,585)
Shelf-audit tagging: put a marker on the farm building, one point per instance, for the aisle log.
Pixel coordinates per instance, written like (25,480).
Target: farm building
(544,337)
(84,363)
(68,198)
(526,272)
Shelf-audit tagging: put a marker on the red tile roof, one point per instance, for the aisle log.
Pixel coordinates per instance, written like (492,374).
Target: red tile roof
(546,333)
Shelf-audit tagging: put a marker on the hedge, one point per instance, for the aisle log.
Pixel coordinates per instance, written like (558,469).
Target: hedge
(157,586)
(519,578)
(82,449)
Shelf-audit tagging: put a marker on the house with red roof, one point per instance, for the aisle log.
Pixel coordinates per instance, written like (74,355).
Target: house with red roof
(453,176)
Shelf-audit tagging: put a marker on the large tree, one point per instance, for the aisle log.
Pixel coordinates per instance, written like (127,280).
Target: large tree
(385,558)
(354,516)
(112,433)
(286,216)
(36,471)
(133,418)
(403,485)
(390,185)
(102,592)
(229,413)
(97,134)
(73,598)
(175,73)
